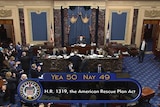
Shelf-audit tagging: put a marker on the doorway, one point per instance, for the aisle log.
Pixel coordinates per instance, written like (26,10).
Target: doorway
(7,31)
(149,33)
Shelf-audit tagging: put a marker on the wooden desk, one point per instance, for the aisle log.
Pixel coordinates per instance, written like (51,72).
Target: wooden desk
(81,50)
(147,94)
(109,64)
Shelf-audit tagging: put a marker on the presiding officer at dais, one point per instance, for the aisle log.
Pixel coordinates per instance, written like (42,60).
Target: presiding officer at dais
(81,40)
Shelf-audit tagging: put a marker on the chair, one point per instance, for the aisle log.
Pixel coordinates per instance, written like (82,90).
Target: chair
(147,94)
(132,50)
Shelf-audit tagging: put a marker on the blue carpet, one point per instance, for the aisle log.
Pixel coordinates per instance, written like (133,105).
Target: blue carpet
(146,73)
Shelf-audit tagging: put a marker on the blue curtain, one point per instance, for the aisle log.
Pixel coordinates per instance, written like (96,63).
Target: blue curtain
(118,26)
(79,21)
(39,26)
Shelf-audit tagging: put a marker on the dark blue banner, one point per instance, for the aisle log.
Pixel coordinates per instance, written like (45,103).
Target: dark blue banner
(78,77)
(79,88)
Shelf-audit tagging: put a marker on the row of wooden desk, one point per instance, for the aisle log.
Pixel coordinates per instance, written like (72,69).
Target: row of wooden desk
(60,65)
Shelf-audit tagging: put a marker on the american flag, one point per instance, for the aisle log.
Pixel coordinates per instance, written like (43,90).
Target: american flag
(51,34)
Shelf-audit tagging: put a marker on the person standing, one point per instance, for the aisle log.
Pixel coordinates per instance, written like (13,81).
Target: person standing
(2,95)
(2,58)
(11,86)
(83,65)
(18,50)
(142,50)
(76,61)
(35,71)
(25,63)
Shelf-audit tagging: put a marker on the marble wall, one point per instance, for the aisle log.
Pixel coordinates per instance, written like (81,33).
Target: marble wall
(57,27)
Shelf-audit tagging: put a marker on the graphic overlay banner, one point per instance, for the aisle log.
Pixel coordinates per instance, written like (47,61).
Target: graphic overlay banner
(79,88)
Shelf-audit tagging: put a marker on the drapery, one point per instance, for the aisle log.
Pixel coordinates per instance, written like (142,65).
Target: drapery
(79,22)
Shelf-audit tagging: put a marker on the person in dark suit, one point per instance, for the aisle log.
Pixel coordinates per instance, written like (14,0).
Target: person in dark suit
(84,64)
(2,58)
(35,71)
(2,95)
(76,61)
(70,67)
(25,62)
(142,50)
(81,40)
(11,85)
(18,50)
(99,68)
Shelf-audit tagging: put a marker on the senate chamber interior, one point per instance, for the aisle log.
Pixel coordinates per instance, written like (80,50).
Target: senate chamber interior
(58,38)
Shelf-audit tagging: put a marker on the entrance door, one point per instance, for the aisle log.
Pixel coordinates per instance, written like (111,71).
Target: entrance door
(151,33)
(7,30)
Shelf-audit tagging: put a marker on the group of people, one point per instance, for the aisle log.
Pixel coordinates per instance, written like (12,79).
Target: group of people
(16,64)
(79,64)
(142,48)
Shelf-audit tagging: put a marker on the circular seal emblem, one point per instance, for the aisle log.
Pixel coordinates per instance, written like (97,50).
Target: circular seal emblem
(29,90)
